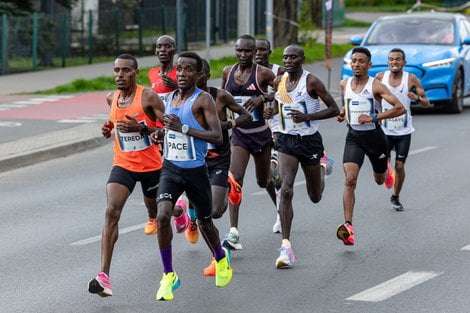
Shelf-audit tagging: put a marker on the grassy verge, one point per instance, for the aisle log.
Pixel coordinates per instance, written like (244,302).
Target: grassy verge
(353,23)
(313,52)
(381,8)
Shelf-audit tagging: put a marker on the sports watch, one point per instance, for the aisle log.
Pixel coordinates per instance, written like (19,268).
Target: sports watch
(184,129)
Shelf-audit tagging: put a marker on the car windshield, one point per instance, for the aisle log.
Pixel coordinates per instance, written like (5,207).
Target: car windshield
(412,30)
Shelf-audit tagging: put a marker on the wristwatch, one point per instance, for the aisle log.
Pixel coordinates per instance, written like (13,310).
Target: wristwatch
(374,117)
(185,129)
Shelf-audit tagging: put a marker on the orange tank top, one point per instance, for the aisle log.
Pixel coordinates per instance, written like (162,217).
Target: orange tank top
(133,151)
(156,80)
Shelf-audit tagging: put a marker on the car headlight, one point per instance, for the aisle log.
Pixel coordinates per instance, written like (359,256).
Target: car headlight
(440,63)
(347,62)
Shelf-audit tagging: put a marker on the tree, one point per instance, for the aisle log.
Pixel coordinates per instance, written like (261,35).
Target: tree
(285,22)
(315,11)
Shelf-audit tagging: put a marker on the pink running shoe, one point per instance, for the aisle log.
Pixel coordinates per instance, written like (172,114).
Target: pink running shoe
(327,164)
(390,179)
(181,222)
(345,232)
(101,285)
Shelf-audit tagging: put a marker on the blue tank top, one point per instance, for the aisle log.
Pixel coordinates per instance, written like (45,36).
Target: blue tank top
(183,150)
(248,90)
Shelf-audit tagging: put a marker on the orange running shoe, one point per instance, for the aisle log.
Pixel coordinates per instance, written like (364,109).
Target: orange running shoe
(210,270)
(345,232)
(390,179)
(235,191)
(192,233)
(151,227)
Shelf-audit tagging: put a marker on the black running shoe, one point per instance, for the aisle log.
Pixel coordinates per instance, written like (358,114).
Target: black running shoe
(396,203)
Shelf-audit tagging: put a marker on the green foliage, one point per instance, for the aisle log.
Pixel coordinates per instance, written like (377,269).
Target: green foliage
(13,9)
(353,23)
(313,52)
(305,18)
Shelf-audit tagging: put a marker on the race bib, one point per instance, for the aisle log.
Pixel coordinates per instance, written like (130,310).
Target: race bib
(396,123)
(357,107)
(211,146)
(163,97)
(240,100)
(129,142)
(179,147)
(286,121)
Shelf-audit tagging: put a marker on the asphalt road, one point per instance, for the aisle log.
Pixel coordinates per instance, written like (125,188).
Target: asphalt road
(52,212)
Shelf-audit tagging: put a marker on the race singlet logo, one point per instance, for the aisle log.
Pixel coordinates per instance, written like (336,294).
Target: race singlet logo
(179,147)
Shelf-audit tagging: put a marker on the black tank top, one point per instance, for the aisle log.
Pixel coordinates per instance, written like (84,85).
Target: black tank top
(250,88)
(224,148)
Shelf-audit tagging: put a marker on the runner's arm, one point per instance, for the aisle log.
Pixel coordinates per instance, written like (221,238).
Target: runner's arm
(420,95)
(316,87)
(244,117)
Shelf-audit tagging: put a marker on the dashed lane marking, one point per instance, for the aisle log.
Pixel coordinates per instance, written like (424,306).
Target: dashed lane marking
(98,238)
(393,286)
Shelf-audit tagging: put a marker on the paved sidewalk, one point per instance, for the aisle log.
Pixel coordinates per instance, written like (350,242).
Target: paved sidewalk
(33,149)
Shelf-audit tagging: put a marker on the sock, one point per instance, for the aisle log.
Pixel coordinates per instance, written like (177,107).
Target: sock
(286,243)
(219,253)
(234,230)
(166,260)
(192,214)
(348,222)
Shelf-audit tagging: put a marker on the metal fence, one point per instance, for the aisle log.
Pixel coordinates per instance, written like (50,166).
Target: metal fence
(44,41)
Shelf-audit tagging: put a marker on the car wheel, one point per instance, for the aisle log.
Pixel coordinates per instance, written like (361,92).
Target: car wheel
(456,104)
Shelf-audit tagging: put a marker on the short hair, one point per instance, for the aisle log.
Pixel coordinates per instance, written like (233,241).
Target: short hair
(127,56)
(205,66)
(398,50)
(362,50)
(266,41)
(171,39)
(192,55)
(248,37)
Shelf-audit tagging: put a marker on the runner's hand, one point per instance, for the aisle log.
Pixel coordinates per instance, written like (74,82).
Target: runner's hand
(172,122)
(129,125)
(168,82)
(107,128)
(253,103)
(297,116)
(340,116)
(364,119)
(158,136)
(268,113)
(413,96)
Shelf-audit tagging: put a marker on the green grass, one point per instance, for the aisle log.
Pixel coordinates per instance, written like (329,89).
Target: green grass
(381,8)
(313,52)
(20,64)
(353,23)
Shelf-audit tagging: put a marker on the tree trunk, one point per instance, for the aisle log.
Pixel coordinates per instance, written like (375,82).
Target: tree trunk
(315,11)
(285,22)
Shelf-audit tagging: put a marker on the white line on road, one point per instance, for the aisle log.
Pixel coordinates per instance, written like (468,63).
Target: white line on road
(12,105)
(28,102)
(422,150)
(393,286)
(76,121)
(466,248)
(98,238)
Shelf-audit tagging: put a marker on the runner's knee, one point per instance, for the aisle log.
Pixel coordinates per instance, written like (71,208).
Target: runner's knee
(287,193)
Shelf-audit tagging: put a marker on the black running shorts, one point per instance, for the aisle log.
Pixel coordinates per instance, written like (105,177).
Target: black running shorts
(148,180)
(401,144)
(372,143)
(175,180)
(307,149)
(218,170)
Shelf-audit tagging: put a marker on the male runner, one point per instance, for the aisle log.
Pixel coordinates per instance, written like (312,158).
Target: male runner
(218,156)
(134,111)
(190,123)
(362,96)
(406,87)
(248,84)
(163,81)
(298,95)
(263,51)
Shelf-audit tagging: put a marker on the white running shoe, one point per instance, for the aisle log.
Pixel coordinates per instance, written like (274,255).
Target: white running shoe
(277,226)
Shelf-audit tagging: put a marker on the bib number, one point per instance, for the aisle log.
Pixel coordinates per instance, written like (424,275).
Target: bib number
(286,122)
(240,100)
(179,147)
(357,108)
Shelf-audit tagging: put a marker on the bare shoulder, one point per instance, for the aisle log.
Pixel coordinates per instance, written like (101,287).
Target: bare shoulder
(379,76)
(110,96)
(226,70)
(204,99)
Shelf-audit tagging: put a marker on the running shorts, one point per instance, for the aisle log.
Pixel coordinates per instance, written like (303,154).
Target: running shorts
(401,144)
(148,180)
(307,149)
(254,143)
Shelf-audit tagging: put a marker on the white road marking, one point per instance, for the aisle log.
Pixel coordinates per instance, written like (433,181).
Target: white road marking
(466,248)
(98,238)
(28,102)
(76,121)
(263,192)
(12,105)
(48,99)
(393,286)
(422,150)
(60,96)
(10,124)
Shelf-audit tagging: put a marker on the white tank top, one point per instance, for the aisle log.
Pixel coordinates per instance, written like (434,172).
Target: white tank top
(274,121)
(301,102)
(400,125)
(356,104)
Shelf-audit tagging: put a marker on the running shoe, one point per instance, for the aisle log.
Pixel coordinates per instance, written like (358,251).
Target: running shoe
(101,285)
(396,205)
(192,232)
(327,164)
(210,270)
(390,179)
(223,270)
(151,227)
(286,257)
(345,232)
(235,190)
(182,222)
(277,226)
(169,283)
(232,241)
